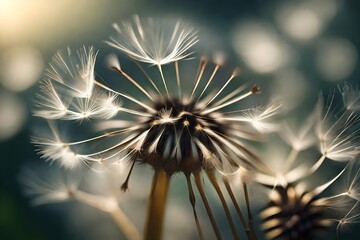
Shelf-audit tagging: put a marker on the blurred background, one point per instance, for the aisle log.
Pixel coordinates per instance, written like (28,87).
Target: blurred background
(294,49)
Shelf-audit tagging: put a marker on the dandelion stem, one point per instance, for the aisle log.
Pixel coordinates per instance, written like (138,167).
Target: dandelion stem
(148,77)
(209,81)
(126,226)
(237,207)
(136,84)
(125,184)
(192,201)
(213,181)
(203,64)
(250,216)
(178,78)
(233,75)
(290,159)
(206,203)
(237,99)
(322,200)
(318,190)
(156,206)
(316,165)
(163,79)
(126,96)
(110,206)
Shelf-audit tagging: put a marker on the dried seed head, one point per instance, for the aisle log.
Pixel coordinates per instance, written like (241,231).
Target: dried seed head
(290,214)
(173,130)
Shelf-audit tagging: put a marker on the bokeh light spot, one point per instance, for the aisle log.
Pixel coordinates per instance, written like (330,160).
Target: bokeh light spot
(336,58)
(20,68)
(12,115)
(301,24)
(260,47)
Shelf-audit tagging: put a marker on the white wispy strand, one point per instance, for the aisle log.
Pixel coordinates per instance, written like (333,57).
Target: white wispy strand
(351,217)
(353,188)
(260,118)
(52,189)
(351,97)
(101,105)
(52,148)
(299,137)
(49,103)
(67,92)
(154,42)
(75,71)
(339,136)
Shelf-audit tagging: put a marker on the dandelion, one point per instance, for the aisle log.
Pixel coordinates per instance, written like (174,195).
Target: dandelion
(296,213)
(289,215)
(337,136)
(199,131)
(293,211)
(173,131)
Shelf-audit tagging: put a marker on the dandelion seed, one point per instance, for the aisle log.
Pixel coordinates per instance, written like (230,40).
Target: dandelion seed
(53,148)
(339,136)
(351,97)
(259,117)
(351,217)
(300,137)
(353,188)
(54,189)
(154,42)
(75,71)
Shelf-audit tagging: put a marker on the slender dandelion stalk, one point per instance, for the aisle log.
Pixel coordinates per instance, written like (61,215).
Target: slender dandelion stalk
(157,204)
(238,209)
(110,207)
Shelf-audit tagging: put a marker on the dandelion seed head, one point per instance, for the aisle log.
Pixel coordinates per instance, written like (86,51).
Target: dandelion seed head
(289,215)
(173,130)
